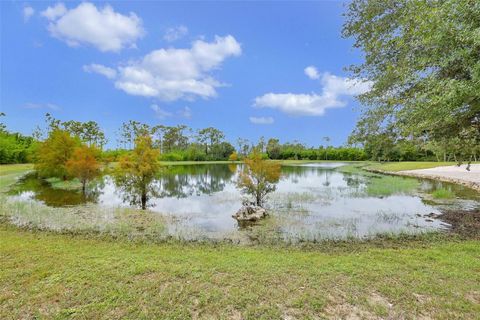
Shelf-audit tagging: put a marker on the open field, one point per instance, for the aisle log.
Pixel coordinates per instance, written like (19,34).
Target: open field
(11,172)
(58,276)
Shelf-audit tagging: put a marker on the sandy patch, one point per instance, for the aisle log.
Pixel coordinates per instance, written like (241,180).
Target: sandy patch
(451,174)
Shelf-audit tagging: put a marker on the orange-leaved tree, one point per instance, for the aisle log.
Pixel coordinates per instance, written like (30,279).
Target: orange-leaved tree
(52,155)
(83,164)
(233,156)
(258,177)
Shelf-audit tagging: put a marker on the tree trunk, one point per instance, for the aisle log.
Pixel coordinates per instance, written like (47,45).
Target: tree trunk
(84,183)
(144,200)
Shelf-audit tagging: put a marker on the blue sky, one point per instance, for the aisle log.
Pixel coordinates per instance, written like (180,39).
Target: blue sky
(250,69)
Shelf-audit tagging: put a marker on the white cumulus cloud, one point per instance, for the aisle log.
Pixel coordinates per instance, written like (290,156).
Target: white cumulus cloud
(173,74)
(28,12)
(312,72)
(54,12)
(313,104)
(262,120)
(175,33)
(102,28)
(100,69)
(159,112)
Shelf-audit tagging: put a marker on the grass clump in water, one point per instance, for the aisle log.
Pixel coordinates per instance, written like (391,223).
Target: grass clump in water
(443,194)
(388,185)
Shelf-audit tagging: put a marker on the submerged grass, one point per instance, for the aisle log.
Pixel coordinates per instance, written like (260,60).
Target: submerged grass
(443,193)
(57,183)
(379,184)
(388,185)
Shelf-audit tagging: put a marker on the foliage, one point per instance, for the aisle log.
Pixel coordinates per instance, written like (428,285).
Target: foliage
(259,177)
(16,148)
(233,156)
(88,132)
(209,137)
(53,154)
(423,61)
(83,164)
(138,169)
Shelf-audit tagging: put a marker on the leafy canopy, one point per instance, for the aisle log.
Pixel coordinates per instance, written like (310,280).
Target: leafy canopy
(54,152)
(423,58)
(259,177)
(138,169)
(83,164)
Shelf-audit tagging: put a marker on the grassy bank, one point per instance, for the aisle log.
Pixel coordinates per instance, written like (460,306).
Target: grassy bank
(401,166)
(46,275)
(9,173)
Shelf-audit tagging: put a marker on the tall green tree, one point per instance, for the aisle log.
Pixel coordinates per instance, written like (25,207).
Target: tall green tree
(423,61)
(209,137)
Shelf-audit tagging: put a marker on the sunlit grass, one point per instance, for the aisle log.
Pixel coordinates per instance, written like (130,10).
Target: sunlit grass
(412,165)
(443,194)
(10,173)
(388,185)
(57,276)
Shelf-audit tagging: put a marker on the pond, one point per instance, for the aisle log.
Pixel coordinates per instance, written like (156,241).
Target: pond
(312,202)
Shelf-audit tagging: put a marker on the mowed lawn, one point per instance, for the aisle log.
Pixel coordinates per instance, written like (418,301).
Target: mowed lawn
(46,275)
(408,165)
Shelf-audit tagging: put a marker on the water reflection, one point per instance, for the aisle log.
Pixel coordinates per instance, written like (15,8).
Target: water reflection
(32,186)
(311,202)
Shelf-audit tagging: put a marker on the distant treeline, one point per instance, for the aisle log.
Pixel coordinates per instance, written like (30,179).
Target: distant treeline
(16,148)
(180,143)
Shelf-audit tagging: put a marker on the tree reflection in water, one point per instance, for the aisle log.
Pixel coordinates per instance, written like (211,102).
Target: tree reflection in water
(177,181)
(42,190)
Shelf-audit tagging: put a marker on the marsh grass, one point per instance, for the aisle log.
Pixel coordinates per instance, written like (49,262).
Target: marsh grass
(378,184)
(388,185)
(443,193)
(57,183)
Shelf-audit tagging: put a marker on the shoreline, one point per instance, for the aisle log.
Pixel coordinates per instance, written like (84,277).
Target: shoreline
(451,174)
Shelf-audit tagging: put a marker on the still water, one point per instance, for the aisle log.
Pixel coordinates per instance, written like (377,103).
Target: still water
(311,202)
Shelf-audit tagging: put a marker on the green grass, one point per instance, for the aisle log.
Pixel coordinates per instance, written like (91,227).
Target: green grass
(44,275)
(387,185)
(401,166)
(57,183)
(443,194)
(11,172)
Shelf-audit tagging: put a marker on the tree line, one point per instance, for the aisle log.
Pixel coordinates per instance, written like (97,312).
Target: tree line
(181,143)
(174,143)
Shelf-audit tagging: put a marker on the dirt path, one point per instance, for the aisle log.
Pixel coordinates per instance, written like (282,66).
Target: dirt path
(451,174)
